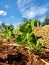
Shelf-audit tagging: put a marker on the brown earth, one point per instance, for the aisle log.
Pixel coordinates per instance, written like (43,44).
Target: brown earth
(38,31)
(44,32)
(19,55)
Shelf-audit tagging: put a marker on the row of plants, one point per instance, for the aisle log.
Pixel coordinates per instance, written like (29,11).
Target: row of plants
(28,38)
(23,35)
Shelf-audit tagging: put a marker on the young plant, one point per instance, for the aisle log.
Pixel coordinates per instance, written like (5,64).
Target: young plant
(38,46)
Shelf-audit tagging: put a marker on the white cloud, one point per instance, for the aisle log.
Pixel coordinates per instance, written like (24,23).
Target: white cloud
(2,12)
(42,18)
(0,22)
(24,4)
(16,24)
(35,11)
(29,9)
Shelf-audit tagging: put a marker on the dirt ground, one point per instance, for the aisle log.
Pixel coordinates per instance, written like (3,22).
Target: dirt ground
(19,55)
(44,32)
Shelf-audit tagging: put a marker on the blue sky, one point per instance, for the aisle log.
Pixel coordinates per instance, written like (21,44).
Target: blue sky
(13,11)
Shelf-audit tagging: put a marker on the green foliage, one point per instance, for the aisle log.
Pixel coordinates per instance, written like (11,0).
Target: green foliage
(24,35)
(8,31)
(38,46)
(26,31)
(32,38)
(27,27)
(32,25)
(46,21)
(2,26)
(27,36)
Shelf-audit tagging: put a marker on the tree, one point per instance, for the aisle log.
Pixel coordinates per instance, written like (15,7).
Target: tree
(37,23)
(46,20)
(2,26)
(11,28)
(25,19)
(27,26)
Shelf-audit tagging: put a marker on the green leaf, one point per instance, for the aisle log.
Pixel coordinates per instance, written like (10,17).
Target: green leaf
(32,24)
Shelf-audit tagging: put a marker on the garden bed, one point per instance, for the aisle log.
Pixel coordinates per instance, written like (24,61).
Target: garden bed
(20,55)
